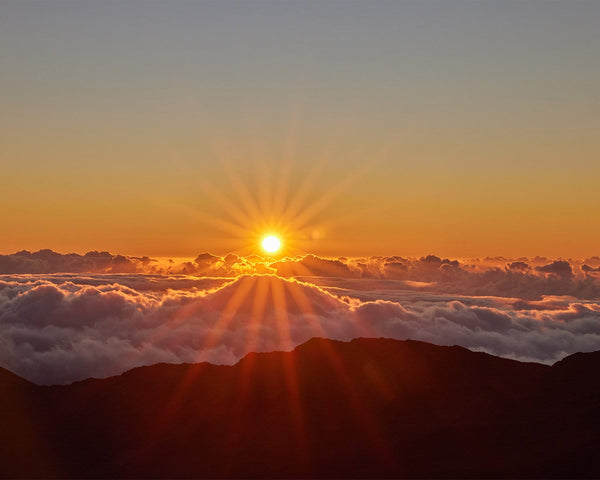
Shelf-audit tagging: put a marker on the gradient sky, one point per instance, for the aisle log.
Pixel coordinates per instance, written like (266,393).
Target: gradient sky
(452,127)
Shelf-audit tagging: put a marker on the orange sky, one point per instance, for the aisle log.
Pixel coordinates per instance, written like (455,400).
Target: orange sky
(468,129)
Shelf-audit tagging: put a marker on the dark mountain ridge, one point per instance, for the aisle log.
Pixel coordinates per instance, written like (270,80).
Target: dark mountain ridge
(363,409)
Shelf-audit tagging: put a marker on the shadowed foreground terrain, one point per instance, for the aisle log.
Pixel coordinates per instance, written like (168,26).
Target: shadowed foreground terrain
(367,408)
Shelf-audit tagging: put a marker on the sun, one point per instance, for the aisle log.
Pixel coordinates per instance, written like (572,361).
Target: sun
(271,244)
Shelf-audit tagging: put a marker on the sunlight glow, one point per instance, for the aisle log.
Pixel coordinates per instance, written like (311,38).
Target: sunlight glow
(271,244)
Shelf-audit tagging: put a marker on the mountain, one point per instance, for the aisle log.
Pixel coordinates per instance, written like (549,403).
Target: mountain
(361,409)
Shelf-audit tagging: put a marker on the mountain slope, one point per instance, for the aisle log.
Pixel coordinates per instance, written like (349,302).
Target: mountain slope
(365,408)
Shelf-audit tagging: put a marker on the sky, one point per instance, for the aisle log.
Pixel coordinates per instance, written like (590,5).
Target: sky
(460,128)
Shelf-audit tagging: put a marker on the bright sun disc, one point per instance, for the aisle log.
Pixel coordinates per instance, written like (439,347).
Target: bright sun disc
(271,244)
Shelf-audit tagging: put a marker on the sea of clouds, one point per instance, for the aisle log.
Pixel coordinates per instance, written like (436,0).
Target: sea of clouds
(69,317)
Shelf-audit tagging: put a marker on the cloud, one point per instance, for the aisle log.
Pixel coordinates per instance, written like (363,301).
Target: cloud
(497,276)
(56,333)
(205,264)
(519,266)
(560,268)
(48,261)
(61,328)
(311,265)
(493,276)
(590,272)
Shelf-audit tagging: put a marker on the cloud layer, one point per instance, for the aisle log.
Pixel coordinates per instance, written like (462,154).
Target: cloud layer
(523,278)
(62,328)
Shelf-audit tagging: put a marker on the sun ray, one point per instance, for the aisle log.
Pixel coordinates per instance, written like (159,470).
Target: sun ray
(264,184)
(272,206)
(317,206)
(242,290)
(296,411)
(247,200)
(300,198)
(304,305)
(370,426)
(247,365)
(194,371)
(281,191)
(224,226)
(237,213)
(366,420)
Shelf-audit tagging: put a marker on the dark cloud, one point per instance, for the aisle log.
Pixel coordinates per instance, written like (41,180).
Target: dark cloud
(560,268)
(519,266)
(48,261)
(590,272)
(205,264)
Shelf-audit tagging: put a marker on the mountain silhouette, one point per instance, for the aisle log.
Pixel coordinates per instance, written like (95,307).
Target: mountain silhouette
(361,409)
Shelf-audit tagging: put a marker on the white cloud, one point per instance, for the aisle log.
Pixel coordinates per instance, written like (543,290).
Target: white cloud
(58,329)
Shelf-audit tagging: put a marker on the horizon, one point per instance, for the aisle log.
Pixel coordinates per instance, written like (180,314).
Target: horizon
(256,250)
(282,255)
